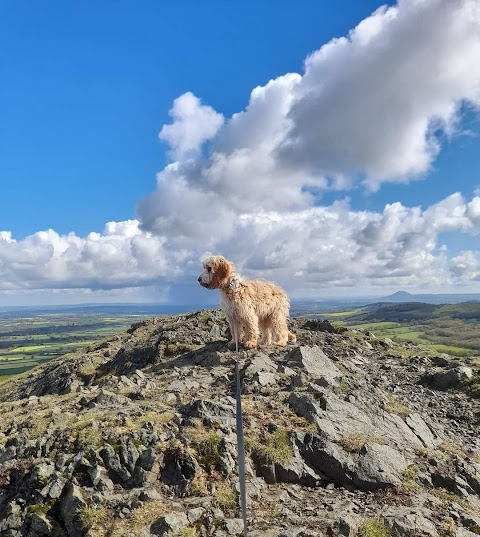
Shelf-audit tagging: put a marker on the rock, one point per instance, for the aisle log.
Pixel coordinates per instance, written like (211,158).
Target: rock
(405,521)
(70,507)
(40,525)
(233,526)
(179,468)
(100,479)
(444,380)
(315,363)
(421,429)
(12,518)
(173,522)
(117,472)
(211,411)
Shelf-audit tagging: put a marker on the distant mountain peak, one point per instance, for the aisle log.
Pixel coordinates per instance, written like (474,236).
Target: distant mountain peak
(400,294)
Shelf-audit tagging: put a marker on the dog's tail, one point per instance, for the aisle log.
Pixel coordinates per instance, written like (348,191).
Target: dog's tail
(292,337)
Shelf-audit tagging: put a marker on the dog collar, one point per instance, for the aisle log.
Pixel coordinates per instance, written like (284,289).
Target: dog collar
(234,282)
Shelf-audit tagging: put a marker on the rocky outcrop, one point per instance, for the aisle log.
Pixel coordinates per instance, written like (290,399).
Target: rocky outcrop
(346,434)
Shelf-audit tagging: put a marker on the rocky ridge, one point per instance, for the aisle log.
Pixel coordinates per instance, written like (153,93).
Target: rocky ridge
(346,434)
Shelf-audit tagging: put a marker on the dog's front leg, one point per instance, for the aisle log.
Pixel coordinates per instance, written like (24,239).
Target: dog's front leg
(233,326)
(250,325)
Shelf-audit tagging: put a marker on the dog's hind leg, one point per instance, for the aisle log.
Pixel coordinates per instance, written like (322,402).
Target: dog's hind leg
(280,329)
(266,329)
(250,325)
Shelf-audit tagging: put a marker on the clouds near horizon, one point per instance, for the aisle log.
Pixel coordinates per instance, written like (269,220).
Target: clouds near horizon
(371,108)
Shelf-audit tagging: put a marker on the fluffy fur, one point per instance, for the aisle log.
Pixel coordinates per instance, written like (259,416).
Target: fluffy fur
(257,305)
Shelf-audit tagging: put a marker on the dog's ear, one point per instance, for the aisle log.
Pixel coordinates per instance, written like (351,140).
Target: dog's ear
(221,272)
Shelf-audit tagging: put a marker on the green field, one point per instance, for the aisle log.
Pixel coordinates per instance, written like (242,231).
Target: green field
(31,340)
(452,329)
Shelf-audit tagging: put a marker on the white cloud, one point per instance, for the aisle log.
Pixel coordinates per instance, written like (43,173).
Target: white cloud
(370,108)
(193,125)
(121,256)
(374,102)
(316,248)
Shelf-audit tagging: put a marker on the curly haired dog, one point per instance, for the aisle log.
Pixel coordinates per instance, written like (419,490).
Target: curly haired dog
(254,304)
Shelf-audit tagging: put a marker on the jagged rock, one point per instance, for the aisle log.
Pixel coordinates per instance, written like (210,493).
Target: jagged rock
(172,522)
(421,429)
(70,506)
(41,525)
(178,469)
(213,412)
(315,363)
(444,380)
(405,521)
(112,462)
(12,518)
(339,395)
(54,487)
(233,526)
(100,479)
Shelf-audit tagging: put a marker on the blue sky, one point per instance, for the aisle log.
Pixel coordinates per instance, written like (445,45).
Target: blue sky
(87,87)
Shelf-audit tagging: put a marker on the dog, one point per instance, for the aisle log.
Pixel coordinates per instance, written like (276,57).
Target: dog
(250,306)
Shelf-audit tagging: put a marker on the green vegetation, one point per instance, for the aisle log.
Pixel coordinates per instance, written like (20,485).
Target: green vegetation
(28,340)
(275,447)
(353,443)
(372,527)
(448,328)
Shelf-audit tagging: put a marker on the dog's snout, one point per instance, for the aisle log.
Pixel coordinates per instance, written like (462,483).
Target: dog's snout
(199,278)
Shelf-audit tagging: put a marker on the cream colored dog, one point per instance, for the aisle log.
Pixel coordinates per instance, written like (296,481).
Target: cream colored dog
(249,305)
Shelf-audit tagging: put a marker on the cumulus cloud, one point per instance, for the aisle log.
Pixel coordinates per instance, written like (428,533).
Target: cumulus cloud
(370,108)
(193,125)
(315,248)
(374,103)
(121,256)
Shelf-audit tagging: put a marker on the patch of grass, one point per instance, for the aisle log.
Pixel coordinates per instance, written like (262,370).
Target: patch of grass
(448,528)
(175,349)
(189,531)
(393,406)
(449,497)
(409,477)
(199,485)
(225,496)
(353,443)
(141,517)
(372,527)
(91,515)
(452,449)
(207,446)
(276,447)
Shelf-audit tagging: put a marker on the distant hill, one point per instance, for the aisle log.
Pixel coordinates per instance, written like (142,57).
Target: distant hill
(418,311)
(403,296)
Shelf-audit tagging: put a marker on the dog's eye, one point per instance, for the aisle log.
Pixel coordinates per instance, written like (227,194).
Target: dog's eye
(209,269)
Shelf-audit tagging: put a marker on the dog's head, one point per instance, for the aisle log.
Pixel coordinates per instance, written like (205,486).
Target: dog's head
(217,272)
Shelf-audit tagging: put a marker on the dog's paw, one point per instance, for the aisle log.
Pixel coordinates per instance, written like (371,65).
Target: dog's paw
(250,344)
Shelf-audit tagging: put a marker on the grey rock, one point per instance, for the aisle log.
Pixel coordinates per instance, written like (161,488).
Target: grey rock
(171,522)
(41,525)
(315,363)
(233,526)
(406,521)
(179,468)
(70,506)
(54,487)
(443,380)
(12,518)
(379,466)
(113,464)
(421,429)
(100,479)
